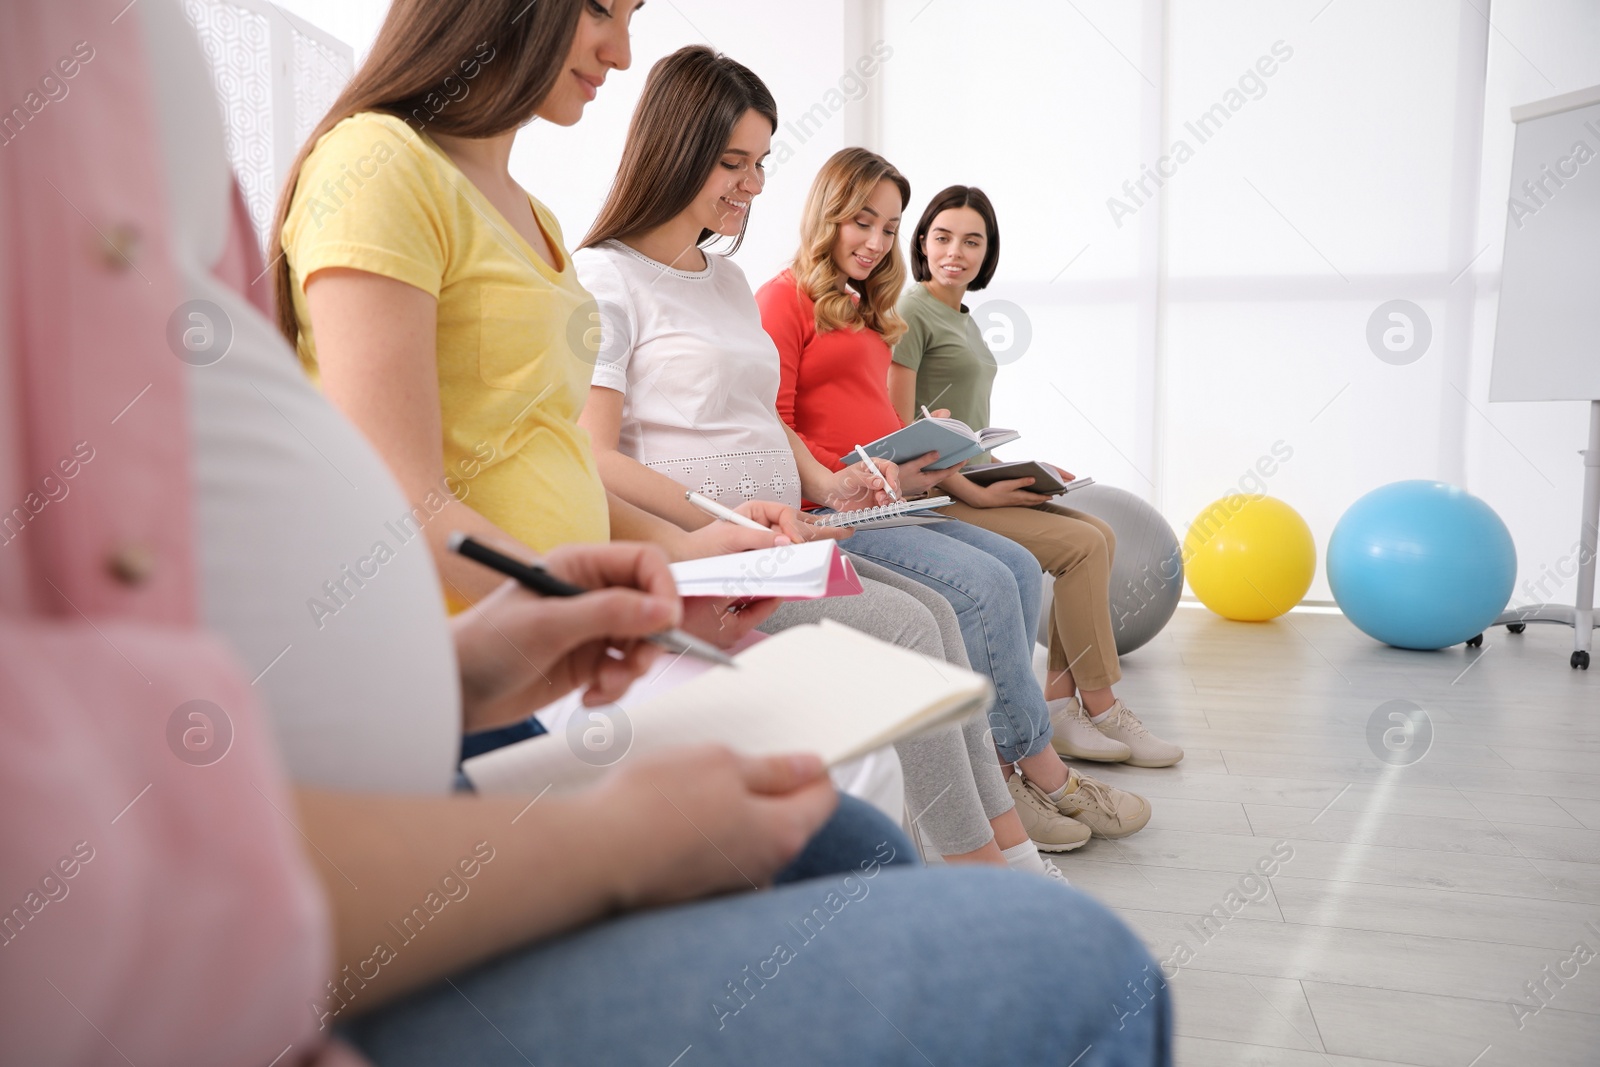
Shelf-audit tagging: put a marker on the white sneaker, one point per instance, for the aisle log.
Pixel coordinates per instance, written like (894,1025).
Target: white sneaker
(1052,872)
(1074,735)
(1146,749)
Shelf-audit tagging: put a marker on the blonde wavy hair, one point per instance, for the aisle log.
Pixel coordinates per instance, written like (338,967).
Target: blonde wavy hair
(838,195)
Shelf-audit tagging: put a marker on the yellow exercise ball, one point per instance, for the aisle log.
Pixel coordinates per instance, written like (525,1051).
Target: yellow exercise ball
(1249,558)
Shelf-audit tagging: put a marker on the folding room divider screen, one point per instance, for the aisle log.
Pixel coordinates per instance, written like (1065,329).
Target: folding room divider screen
(276,76)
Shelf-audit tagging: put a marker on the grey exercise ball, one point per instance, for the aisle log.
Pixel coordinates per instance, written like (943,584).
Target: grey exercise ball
(1146,573)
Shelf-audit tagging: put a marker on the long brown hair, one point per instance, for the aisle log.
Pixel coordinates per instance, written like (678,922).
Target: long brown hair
(424,45)
(681,127)
(838,195)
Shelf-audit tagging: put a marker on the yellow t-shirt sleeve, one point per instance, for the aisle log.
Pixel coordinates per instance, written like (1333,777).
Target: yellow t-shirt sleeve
(375,162)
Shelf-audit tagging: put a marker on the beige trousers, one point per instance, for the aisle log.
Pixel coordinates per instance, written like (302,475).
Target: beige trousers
(1077,549)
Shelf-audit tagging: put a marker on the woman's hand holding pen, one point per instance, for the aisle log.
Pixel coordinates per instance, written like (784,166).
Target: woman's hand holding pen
(725,621)
(860,486)
(782,525)
(518,652)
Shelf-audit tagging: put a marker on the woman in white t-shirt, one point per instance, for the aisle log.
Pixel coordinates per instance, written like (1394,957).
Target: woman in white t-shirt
(684,396)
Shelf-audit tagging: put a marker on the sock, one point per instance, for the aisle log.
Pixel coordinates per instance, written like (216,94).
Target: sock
(1066,787)
(1024,857)
(1103,716)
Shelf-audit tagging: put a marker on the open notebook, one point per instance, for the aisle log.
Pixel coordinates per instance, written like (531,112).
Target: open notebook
(822,688)
(794,572)
(953,439)
(1044,478)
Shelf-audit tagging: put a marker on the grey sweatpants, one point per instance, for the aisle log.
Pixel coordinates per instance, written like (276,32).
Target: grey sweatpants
(953,781)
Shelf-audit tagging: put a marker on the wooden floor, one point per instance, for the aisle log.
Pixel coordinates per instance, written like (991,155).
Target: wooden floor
(1419,900)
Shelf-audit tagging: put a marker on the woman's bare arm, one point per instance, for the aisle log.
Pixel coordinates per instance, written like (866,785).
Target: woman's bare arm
(903,391)
(423,887)
(377,356)
(625,476)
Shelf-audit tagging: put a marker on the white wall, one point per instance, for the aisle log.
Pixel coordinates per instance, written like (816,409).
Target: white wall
(570,169)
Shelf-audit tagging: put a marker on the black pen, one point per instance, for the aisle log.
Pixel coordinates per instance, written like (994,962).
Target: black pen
(541,581)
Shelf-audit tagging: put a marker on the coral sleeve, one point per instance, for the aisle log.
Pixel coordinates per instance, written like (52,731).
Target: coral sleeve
(787,319)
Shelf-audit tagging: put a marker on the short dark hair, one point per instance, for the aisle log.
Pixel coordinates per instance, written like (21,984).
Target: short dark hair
(957,196)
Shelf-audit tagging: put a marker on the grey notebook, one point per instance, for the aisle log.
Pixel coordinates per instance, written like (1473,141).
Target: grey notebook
(1044,479)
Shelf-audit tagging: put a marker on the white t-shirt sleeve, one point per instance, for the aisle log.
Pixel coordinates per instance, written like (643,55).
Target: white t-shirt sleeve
(614,316)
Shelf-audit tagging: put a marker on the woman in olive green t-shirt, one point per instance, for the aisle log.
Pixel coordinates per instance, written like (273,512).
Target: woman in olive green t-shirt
(943,361)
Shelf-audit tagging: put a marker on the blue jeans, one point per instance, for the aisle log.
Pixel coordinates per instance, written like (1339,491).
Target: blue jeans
(857,833)
(994,585)
(880,965)
(489,740)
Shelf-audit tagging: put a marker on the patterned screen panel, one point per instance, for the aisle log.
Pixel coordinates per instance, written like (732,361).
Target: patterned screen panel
(276,75)
(320,71)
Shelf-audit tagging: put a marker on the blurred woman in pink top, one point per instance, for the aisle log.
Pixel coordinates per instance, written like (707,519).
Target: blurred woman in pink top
(141,873)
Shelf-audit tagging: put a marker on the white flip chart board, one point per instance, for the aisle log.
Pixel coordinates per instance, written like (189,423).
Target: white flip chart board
(1547,338)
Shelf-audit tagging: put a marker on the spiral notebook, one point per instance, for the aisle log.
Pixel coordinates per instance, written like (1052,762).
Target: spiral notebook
(903,513)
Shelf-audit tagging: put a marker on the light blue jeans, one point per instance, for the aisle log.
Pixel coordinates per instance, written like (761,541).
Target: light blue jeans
(868,963)
(855,833)
(994,584)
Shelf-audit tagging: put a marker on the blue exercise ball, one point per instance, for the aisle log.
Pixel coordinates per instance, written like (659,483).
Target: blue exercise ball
(1421,564)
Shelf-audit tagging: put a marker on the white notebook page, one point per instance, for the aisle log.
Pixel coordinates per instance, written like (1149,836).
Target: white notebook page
(821,688)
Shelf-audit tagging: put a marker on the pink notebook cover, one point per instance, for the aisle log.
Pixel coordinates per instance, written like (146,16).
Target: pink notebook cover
(842,577)
(789,573)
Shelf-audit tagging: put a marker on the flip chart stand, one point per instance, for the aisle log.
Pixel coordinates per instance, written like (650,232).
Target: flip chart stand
(1580,615)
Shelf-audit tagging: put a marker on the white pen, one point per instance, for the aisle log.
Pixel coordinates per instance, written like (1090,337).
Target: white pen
(874,468)
(711,507)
